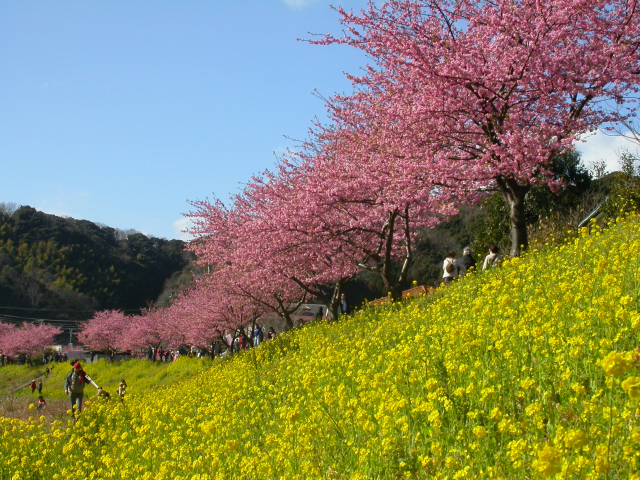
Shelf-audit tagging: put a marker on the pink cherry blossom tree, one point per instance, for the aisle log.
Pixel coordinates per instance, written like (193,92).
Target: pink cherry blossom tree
(279,237)
(367,196)
(6,331)
(224,243)
(340,205)
(103,332)
(493,91)
(29,339)
(212,307)
(149,330)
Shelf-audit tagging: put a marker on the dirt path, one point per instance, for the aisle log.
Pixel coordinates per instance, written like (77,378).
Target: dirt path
(18,407)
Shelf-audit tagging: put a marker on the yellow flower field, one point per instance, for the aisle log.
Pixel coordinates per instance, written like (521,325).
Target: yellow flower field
(528,371)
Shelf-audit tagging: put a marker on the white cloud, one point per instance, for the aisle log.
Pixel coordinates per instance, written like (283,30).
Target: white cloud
(179,226)
(299,3)
(604,147)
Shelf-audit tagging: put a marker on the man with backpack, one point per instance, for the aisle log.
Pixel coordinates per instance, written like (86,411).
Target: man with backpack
(450,268)
(74,387)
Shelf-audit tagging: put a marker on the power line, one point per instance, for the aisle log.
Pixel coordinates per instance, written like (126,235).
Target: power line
(48,309)
(48,320)
(65,309)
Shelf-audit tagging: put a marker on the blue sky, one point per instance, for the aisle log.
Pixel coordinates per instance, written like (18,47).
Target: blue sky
(119,112)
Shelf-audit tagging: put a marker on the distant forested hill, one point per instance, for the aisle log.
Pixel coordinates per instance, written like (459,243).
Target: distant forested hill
(66,268)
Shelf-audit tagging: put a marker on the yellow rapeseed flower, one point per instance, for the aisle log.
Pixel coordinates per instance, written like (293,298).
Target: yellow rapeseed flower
(480,431)
(632,386)
(575,439)
(549,461)
(617,364)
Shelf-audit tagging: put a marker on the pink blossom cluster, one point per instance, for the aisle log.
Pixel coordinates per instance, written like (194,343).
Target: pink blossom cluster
(488,93)
(28,339)
(192,323)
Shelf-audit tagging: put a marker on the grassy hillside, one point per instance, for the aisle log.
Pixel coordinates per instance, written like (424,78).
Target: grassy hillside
(141,375)
(499,376)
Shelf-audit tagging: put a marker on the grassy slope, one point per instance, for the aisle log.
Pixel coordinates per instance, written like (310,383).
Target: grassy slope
(140,375)
(499,376)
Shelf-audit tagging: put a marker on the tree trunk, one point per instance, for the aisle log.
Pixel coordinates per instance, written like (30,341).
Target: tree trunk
(514,194)
(334,303)
(385,271)
(396,292)
(408,257)
(382,257)
(395,286)
(330,302)
(287,320)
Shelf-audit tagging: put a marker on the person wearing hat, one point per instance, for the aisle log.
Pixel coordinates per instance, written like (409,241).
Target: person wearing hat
(74,387)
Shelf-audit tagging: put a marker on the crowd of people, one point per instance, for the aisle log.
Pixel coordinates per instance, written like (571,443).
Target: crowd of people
(242,341)
(165,354)
(20,359)
(454,268)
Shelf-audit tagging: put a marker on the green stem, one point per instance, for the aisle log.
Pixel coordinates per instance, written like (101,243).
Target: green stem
(610,427)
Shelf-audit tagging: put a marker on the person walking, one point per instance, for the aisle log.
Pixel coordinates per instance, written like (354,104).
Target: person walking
(122,389)
(258,335)
(74,387)
(33,386)
(449,268)
(493,259)
(343,306)
(465,262)
(40,387)
(42,403)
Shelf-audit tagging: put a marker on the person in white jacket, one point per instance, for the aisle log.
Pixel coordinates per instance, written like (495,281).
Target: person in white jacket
(450,268)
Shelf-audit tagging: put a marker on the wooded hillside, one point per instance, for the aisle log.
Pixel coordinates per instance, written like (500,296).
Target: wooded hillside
(61,268)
